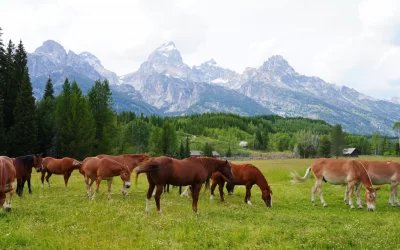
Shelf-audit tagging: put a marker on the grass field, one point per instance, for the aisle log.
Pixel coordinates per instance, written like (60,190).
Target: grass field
(53,218)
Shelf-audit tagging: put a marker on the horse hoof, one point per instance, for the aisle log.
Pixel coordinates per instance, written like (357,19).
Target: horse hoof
(351,207)
(314,204)
(212,197)
(325,205)
(8,209)
(360,207)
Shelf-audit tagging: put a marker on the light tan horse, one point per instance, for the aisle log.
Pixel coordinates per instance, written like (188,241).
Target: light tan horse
(63,166)
(7,177)
(130,160)
(338,172)
(381,172)
(95,169)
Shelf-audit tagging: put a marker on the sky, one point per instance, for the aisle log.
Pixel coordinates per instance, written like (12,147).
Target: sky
(355,43)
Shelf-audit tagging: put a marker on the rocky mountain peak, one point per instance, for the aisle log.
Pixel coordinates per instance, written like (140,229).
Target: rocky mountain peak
(51,48)
(90,58)
(166,47)
(278,65)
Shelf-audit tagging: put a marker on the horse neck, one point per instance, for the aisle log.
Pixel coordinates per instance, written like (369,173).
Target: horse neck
(365,179)
(209,164)
(261,182)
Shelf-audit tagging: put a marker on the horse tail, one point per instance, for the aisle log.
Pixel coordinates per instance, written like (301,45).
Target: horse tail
(207,184)
(148,167)
(297,178)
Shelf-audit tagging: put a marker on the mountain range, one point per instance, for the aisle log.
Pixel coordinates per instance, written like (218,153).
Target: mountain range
(165,85)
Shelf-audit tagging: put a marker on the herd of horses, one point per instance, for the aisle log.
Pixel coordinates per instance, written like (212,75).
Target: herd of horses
(193,172)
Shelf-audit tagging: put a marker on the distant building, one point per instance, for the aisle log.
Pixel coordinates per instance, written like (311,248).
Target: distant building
(215,154)
(243,144)
(196,153)
(351,152)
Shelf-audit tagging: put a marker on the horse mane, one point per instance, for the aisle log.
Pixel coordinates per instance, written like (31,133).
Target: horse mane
(26,160)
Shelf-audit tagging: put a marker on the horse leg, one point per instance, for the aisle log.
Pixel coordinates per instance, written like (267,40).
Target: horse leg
(42,178)
(109,188)
(66,178)
(159,190)
(19,181)
(186,192)
(89,186)
(195,195)
(346,196)
(395,196)
(321,197)
(358,191)
(98,181)
(221,190)
(212,188)
(351,185)
(393,201)
(48,177)
(11,193)
(248,193)
(29,185)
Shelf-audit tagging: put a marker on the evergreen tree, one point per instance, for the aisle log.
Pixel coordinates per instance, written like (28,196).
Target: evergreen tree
(100,100)
(229,152)
(3,137)
(187,148)
(182,151)
(63,115)
(169,139)
(337,140)
(138,134)
(49,90)
(22,137)
(207,150)
(11,87)
(324,147)
(155,142)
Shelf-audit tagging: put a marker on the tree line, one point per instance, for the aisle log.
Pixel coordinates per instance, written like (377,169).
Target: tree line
(78,124)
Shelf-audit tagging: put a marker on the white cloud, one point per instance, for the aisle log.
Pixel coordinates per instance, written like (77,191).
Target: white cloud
(354,43)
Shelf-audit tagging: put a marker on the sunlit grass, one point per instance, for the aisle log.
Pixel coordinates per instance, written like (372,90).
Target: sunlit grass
(53,218)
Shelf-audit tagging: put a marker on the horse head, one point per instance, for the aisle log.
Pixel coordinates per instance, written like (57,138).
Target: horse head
(267,196)
(370,197)
(226,170)
(126,178)
(38,162)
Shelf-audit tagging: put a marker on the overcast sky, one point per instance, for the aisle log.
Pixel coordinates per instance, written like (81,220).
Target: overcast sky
(346,42)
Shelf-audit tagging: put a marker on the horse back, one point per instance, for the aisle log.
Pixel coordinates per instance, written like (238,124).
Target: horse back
(382,172)
(337,171)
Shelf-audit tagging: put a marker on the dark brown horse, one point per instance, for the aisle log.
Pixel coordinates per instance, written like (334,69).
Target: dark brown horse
(245,174)
(63,166)
(192,171)
(7,177)
(23,166)
(130,160)
(95,169)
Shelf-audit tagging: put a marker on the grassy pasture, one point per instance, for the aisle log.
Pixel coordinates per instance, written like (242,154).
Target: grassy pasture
(53,218)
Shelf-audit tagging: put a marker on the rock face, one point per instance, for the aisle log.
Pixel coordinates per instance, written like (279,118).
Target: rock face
(165,85)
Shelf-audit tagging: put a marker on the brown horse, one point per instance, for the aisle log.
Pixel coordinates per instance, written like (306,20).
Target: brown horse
(63,166)
(192,171)
(7,177)
(338,172)
(95,169)
(245,174)
(23,167)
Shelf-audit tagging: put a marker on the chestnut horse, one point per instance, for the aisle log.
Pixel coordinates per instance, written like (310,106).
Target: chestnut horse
(7,177)
(245,174)
(95,169)
(381,172)
(23,167)
(192,171)
(337,172)
(63,166)
(131,160)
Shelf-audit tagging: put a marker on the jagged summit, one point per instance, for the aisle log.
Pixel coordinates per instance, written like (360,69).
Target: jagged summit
(167,47)
(277,64)
(51,48)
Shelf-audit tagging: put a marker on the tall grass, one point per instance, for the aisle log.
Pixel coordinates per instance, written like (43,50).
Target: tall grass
(53,218)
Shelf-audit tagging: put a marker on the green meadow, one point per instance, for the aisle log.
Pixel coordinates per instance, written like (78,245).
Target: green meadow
(55,218)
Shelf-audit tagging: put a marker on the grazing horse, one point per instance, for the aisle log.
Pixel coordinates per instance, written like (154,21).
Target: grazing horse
(337,172)
(23,167)
(381,172)
(131,160)
(95,169)
(63,166)
(245,174)
(7,176)
(192,171)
